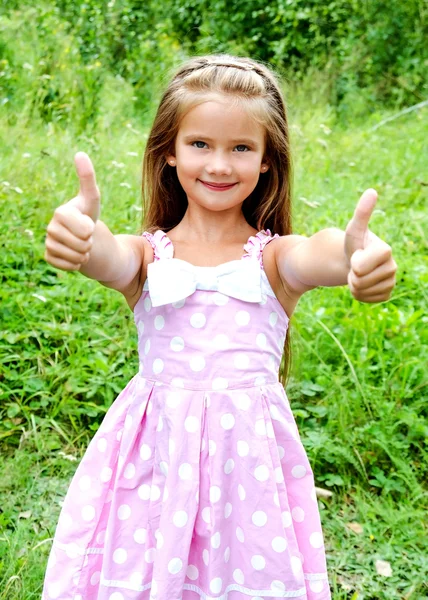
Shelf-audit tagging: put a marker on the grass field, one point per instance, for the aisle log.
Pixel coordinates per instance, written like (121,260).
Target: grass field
(359,379)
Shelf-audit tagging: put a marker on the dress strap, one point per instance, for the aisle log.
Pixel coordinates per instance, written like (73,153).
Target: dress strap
(256,243)
(161,244)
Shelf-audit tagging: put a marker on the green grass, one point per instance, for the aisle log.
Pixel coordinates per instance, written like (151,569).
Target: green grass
(359,380)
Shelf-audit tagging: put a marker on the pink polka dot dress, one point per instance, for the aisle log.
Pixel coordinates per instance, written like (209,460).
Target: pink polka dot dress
(196,486)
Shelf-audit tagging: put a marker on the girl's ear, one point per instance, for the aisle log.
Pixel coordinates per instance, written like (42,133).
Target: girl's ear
(170,159)
(264,167)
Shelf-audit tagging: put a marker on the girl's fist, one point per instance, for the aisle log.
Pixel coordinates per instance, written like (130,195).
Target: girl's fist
(69,233)
(372,269)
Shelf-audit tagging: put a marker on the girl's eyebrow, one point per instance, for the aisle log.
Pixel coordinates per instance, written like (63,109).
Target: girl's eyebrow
(241,141)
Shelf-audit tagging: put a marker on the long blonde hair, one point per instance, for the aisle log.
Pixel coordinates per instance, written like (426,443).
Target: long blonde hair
(253,87)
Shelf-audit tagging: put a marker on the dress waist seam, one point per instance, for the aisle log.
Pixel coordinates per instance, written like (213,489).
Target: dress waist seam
(206,387)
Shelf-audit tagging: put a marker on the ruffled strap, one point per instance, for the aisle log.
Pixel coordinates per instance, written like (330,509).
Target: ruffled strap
(256,243)
(161,244)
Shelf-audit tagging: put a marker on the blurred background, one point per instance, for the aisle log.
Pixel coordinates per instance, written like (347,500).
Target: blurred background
(88,76)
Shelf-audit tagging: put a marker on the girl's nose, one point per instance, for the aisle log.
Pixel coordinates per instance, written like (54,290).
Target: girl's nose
(218,165)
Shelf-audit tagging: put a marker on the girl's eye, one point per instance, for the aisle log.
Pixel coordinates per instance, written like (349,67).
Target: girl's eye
(242,148)
(199,144)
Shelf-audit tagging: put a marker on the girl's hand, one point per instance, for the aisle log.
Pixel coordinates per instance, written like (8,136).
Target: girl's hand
(372,269)
(69,233)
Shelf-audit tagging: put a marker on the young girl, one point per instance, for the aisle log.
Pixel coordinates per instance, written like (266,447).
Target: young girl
(196,485)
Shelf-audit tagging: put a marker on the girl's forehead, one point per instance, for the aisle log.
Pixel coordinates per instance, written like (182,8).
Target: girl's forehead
(220,117)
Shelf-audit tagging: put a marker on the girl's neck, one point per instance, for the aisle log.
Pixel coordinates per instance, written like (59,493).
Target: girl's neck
(199,225)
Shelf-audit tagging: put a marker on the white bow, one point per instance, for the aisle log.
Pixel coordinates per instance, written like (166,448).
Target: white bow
(173,279)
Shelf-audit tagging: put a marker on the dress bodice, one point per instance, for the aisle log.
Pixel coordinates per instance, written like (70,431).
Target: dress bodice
(209,327)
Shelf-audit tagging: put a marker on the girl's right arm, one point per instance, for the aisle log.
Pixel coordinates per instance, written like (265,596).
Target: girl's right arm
(77,241)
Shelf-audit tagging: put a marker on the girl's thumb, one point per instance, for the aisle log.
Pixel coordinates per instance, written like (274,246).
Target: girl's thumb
(89,194)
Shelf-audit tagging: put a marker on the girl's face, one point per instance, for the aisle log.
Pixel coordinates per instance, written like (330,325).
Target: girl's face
(219,153)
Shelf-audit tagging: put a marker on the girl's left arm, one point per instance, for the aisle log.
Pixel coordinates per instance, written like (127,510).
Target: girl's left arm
(332,257)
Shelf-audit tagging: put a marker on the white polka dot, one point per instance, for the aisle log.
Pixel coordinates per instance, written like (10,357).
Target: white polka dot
(220,299)
(240,534)
(175,565)
(212,447)
(261,473)
(261,340)
(227,554)
(129,471)
(149,555)
(102,444)
(316,540)
(241,492)
(159,539)
(144,491)
(164,467)
(227,421)
(159,322)
(273,318)
(220,383)
(165,494)
(140,536)
(180,518)
(206,514)
(147,347)
(171,446)
(298,471)
(276,498)
(119,435)
(54,590)
(173,399)
(158,366)
(154,492)
(215,493)
(241,361)
(259,518)
(242,318)
(177,344)
(88,513)
(242,448)
(106,474)
(286,518)
(85,483)
(191,424)
(78,597)
(119,556)
(238,576)
(116,596)
(178,382)
(216,540)
(260,380)
(179,303)
(221,341)
(281,452)
(258,562)
(124,512)
(136,578)
(95,578)
(147,304)
(72,550)
(279,475)
(279,544)
(260,427)
(277,586)
(229,466)
(316,586)
(215,585)
(145,452)
(198,320)
(205,556)
(185,471)
(197,363)
(128,422)
(242,401)
(192,572)
(227,510)
(296,565)
(298,514)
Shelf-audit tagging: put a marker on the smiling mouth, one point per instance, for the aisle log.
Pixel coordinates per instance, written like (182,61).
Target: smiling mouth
(218,187)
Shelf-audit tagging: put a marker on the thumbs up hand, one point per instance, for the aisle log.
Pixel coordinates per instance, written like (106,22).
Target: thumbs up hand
(372,269)
(69,233)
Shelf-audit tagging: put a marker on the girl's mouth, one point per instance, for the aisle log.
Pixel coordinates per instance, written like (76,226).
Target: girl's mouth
(217,187)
